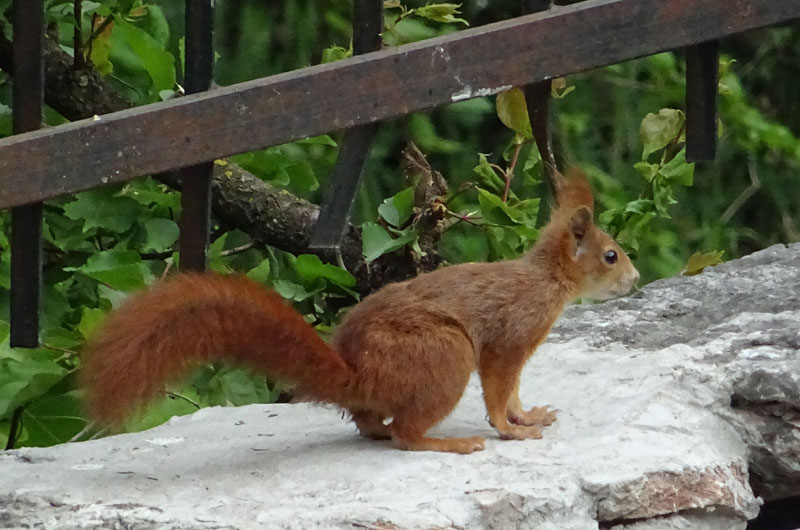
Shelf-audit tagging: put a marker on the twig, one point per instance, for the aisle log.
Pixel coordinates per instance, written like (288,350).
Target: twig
(471,220)
(509,172)
(467,186)
(103,25)
(179,396)
(78,59)
(738,202)
(236,250)
(98,434)
(56,348)
(166,270)
(86,428)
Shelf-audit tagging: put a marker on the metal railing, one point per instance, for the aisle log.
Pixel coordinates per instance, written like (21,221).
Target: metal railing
(354,94)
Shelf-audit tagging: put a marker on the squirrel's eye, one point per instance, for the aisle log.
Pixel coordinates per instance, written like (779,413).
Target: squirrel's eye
(610,257)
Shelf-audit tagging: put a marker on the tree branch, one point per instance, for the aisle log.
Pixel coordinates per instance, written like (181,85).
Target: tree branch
(268,214)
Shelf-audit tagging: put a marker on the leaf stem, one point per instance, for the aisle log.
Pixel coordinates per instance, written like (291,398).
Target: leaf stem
(509,172)
(179,396)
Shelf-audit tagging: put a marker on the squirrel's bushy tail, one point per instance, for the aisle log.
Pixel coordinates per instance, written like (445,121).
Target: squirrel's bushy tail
(193,318)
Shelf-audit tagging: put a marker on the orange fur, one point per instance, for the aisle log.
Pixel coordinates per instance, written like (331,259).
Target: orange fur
(400,359)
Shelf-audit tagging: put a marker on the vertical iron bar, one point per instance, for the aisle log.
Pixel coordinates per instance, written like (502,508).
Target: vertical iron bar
(702,72)
(356,142)
(196,180)
(26,221)
(537,100)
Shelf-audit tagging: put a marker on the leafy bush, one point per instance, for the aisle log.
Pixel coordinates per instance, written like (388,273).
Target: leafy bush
(622,125)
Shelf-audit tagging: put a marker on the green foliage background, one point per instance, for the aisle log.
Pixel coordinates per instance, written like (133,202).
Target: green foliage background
(621,125)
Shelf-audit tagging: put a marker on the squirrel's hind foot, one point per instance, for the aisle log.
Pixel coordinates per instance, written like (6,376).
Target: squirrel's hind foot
(543,416)
(521,432)
(462,446)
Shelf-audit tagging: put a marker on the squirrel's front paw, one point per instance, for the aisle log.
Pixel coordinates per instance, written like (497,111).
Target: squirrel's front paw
(521,432)
(536,416)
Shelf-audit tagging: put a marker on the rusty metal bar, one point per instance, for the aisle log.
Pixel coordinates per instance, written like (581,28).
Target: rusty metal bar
(702,73)
(537,101)
(26,221)
(355,145)
(364,89)
(196,180)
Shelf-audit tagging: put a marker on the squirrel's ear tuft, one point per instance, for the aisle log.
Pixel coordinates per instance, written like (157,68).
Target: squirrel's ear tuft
(580,222)
(573,190)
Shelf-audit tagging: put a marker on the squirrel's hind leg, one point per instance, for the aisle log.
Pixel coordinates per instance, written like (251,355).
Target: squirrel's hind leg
(410,437)
(371,425)
(433,398)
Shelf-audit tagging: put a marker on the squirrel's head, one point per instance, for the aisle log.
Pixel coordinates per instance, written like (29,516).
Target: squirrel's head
(595,262)
(605,270)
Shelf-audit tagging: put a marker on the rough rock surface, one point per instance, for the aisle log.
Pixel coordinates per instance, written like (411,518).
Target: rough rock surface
(672,403)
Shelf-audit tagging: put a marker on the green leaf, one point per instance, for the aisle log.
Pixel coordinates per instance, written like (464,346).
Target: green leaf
(678,170)
(488,176)
(291,291)
(322,139)
(697,262)
(182,53)
(559,88)
(53,419)
(630,235)
(61,338)
(101,208)
(639,206)
(396,210)
(377,241)
(261,272)
(310,267)
(155,23)
(90,319)
(526,211)
(513,112)
(5,328)
(123,270)
(135,53)
(24,375)
(100,54)
(161,234)
(216,261)
(336,53)
(242,387)
(424,134)
(66,234)
(406,31)
(647,170)
(441,13)
(160,411)
(151,193)
(662,197)
(494,210)
(301,175)
(658,130)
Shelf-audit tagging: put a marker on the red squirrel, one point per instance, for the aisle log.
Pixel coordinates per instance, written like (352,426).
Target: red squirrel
(400,359)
